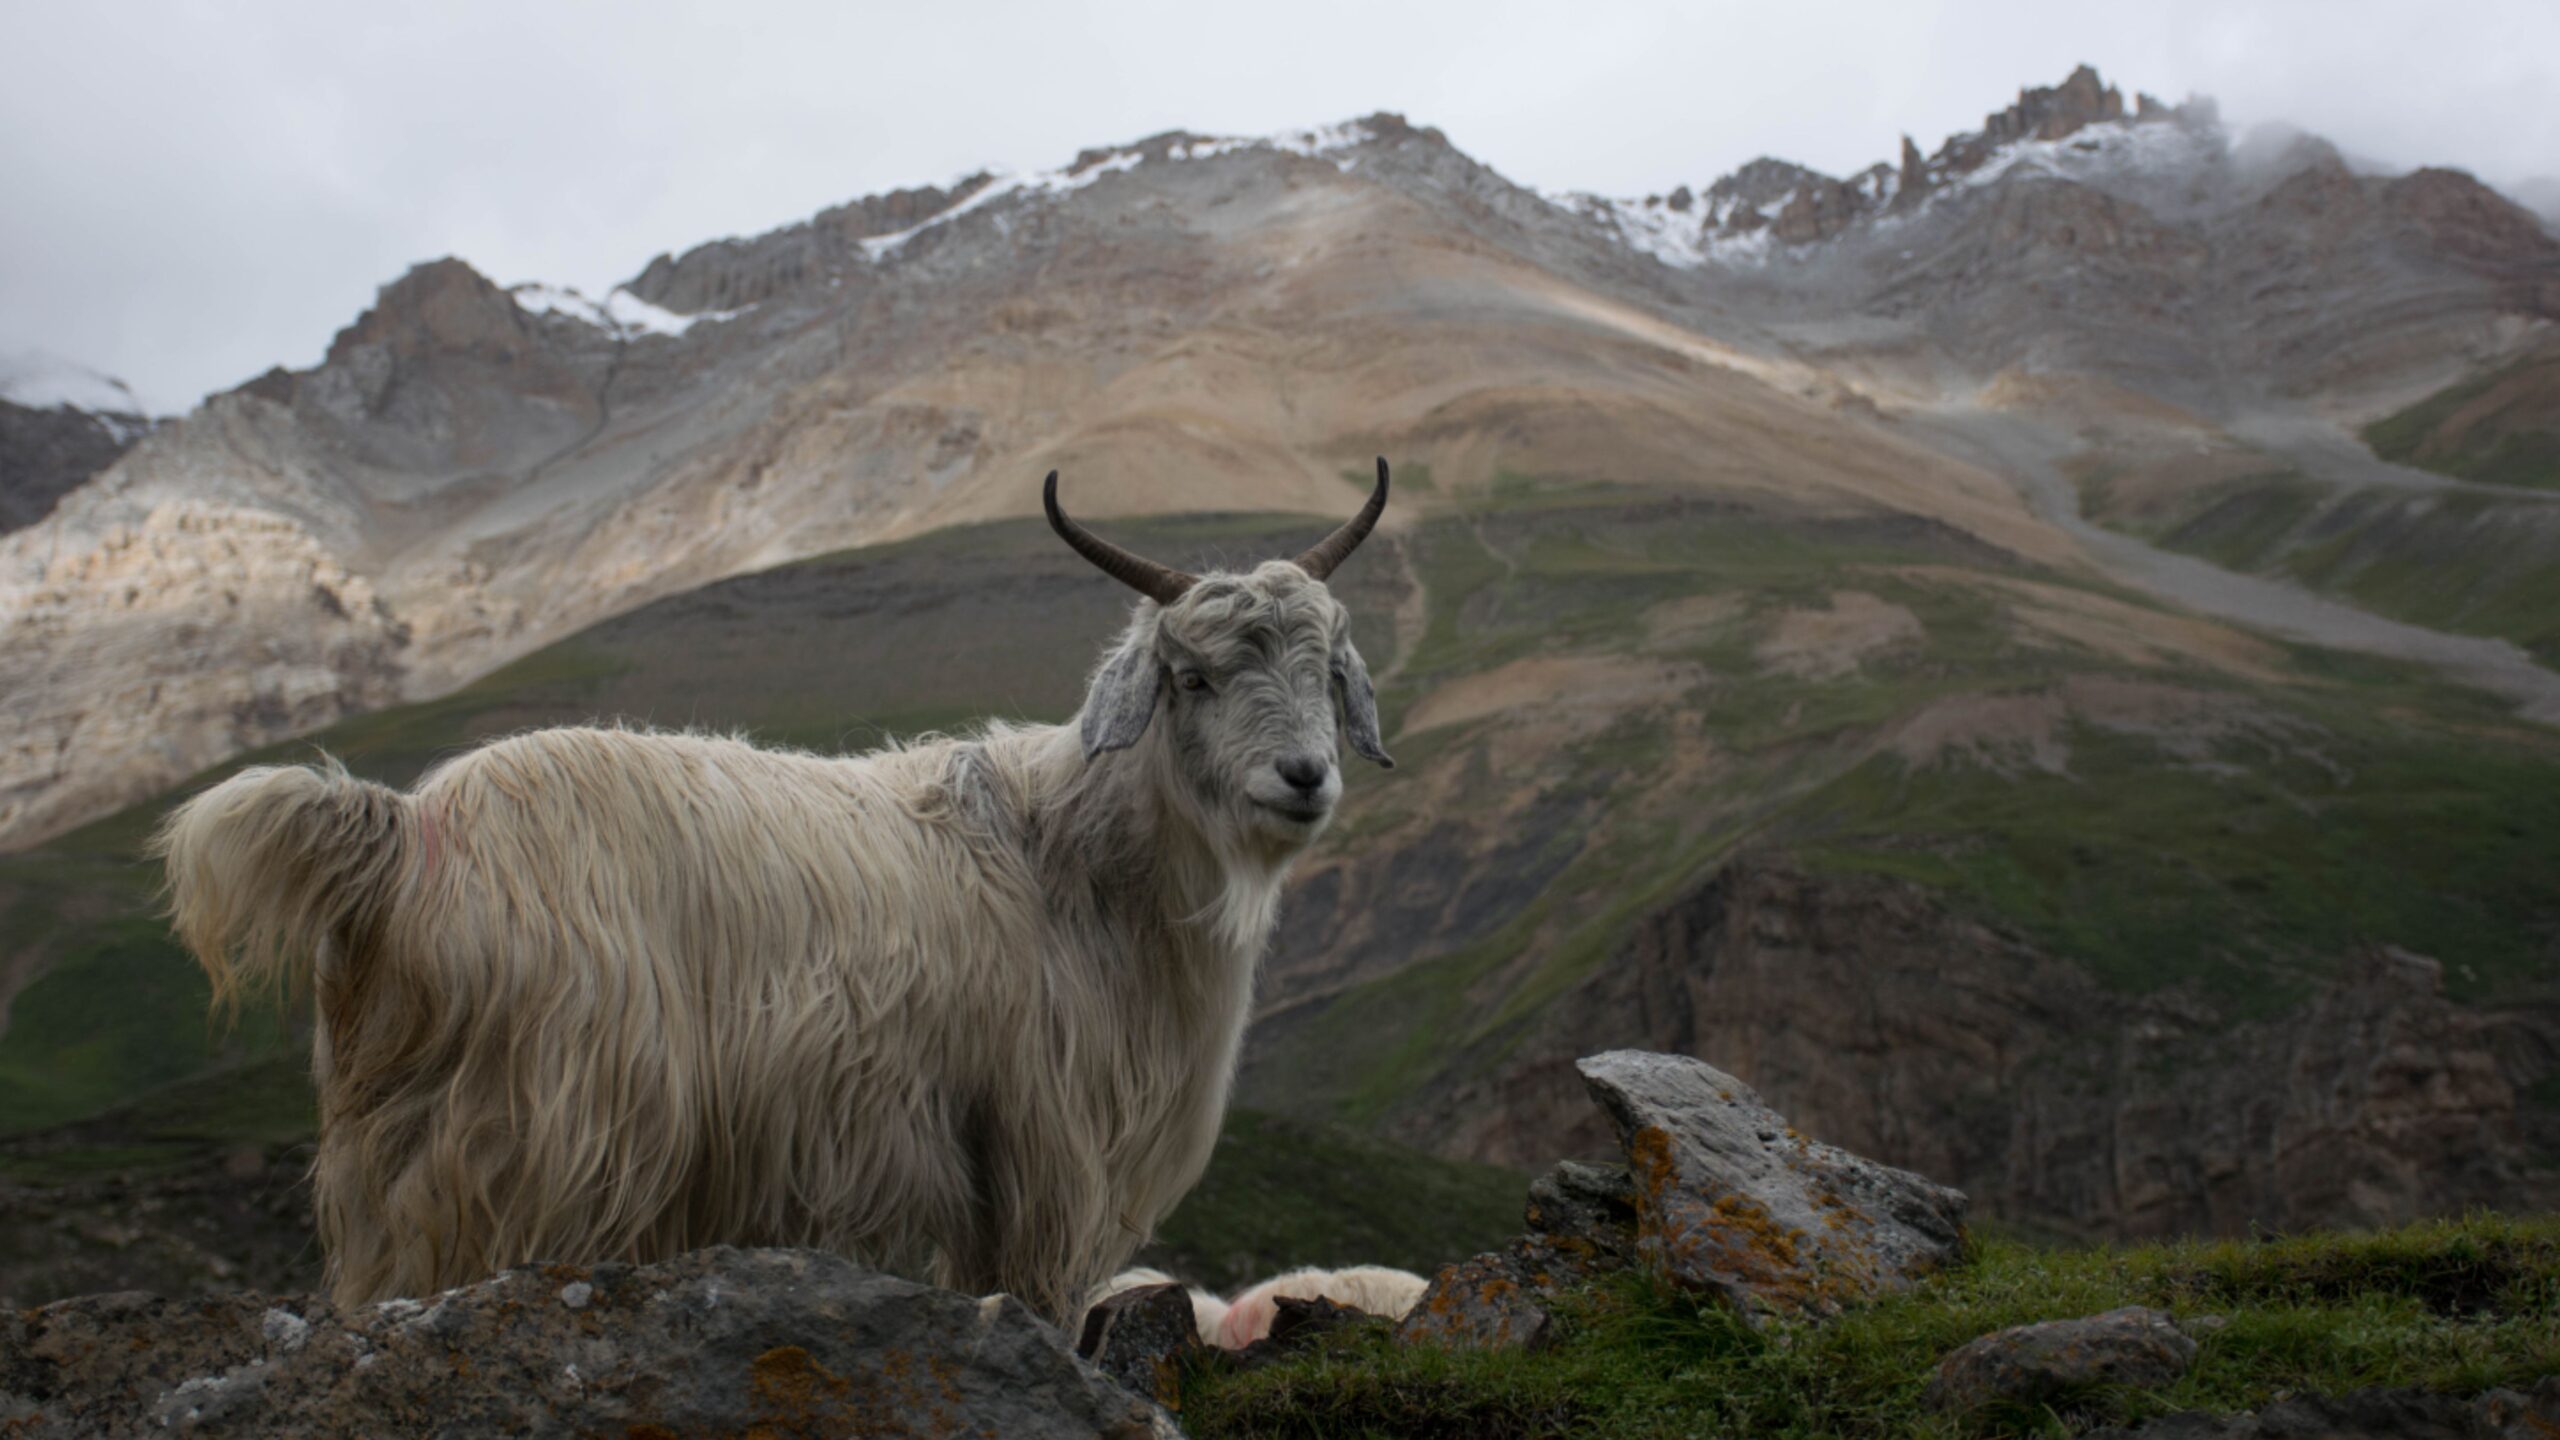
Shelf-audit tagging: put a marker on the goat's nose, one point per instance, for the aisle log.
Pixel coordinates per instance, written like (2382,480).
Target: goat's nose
(1302,771)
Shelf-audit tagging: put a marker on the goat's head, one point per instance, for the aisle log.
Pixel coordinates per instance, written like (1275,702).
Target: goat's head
(1256,674)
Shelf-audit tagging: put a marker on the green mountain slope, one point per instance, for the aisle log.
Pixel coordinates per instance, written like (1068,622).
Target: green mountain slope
(1602,698)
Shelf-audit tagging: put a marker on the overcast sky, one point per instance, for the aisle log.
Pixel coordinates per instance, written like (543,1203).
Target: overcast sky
(191,192)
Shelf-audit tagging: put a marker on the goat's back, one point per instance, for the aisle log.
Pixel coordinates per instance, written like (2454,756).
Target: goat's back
(653,991)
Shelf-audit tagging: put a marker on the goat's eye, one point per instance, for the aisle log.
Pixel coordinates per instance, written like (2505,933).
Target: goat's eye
(1193,680)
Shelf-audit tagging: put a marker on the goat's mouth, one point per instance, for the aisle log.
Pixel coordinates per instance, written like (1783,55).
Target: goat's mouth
(1295,814)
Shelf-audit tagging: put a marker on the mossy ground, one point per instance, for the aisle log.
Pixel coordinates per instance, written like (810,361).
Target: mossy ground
(2456,1307)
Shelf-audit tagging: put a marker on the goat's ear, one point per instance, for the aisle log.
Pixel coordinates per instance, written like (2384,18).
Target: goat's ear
(1123,698)
(1359,703)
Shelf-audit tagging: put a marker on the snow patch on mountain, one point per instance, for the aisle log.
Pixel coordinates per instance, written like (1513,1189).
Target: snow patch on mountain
(2094,153)
(40,380)
(620,313)
(1325,142)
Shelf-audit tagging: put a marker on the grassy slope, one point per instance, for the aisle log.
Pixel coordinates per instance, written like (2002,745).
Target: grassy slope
(2347,803)
(2454,1307)
(1282,1193)
(2472,562)
(2503,427)
(2359,802)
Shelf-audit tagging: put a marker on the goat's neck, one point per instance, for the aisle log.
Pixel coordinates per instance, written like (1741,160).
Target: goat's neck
(1118,836)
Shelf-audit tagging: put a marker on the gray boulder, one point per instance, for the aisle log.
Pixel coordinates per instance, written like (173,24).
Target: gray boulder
(717,1342)
(1141,1337)
(1729,1198)
(2033,1363)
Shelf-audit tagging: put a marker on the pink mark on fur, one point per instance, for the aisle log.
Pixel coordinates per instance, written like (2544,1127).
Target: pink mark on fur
(427,839)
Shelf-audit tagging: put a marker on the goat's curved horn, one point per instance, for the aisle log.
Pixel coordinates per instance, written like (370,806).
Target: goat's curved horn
(1160,583)
(1333,549)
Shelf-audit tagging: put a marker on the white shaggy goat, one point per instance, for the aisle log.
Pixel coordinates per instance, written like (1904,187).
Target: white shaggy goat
(967,1010)
(1377,1289)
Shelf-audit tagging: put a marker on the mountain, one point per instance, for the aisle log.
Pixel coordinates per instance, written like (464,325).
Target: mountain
(2038,656)
(60,423)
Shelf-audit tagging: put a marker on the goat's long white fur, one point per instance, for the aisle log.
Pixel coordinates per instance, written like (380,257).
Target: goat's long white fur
(1377,1289)
(966,1009)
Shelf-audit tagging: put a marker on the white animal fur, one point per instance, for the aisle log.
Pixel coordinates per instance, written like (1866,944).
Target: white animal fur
(1377,1289)
(967,1009)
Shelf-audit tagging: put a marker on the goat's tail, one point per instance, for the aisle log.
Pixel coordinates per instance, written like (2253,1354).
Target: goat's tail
(277,864)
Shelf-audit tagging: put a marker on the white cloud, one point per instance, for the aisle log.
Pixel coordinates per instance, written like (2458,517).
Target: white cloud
(198,190)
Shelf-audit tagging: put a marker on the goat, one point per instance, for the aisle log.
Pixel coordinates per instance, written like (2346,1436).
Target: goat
(1377,1289)
(965,1009)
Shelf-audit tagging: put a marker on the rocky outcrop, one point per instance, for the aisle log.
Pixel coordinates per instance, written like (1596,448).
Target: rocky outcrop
(174,642)
(1731,1199)
(1877,1018)
(719,1342)
(446,374)
(1718,1194)
(731,274)
(2052,112)
(46,451)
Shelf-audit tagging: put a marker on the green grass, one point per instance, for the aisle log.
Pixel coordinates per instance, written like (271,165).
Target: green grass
(2472,563)
(2245,521)
(2245,869)
(1282,1193)
(2516,443)
(2454,1307)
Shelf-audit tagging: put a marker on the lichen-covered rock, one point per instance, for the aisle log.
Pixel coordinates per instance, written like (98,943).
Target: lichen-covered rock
(1491,1302)
(1140,1338)
(1581,1223)
(719,1342)
(1730,1199)
(2030,1363)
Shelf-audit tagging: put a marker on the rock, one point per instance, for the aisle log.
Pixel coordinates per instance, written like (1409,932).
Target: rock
(1494,1301)
(1913,184)
(1581,1223)
(1297,1324)
(717,1342)
(1732,1200)
(1588,1210)
(2377,1414)
(1140,1338)
(2031,1364)
(47,450)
